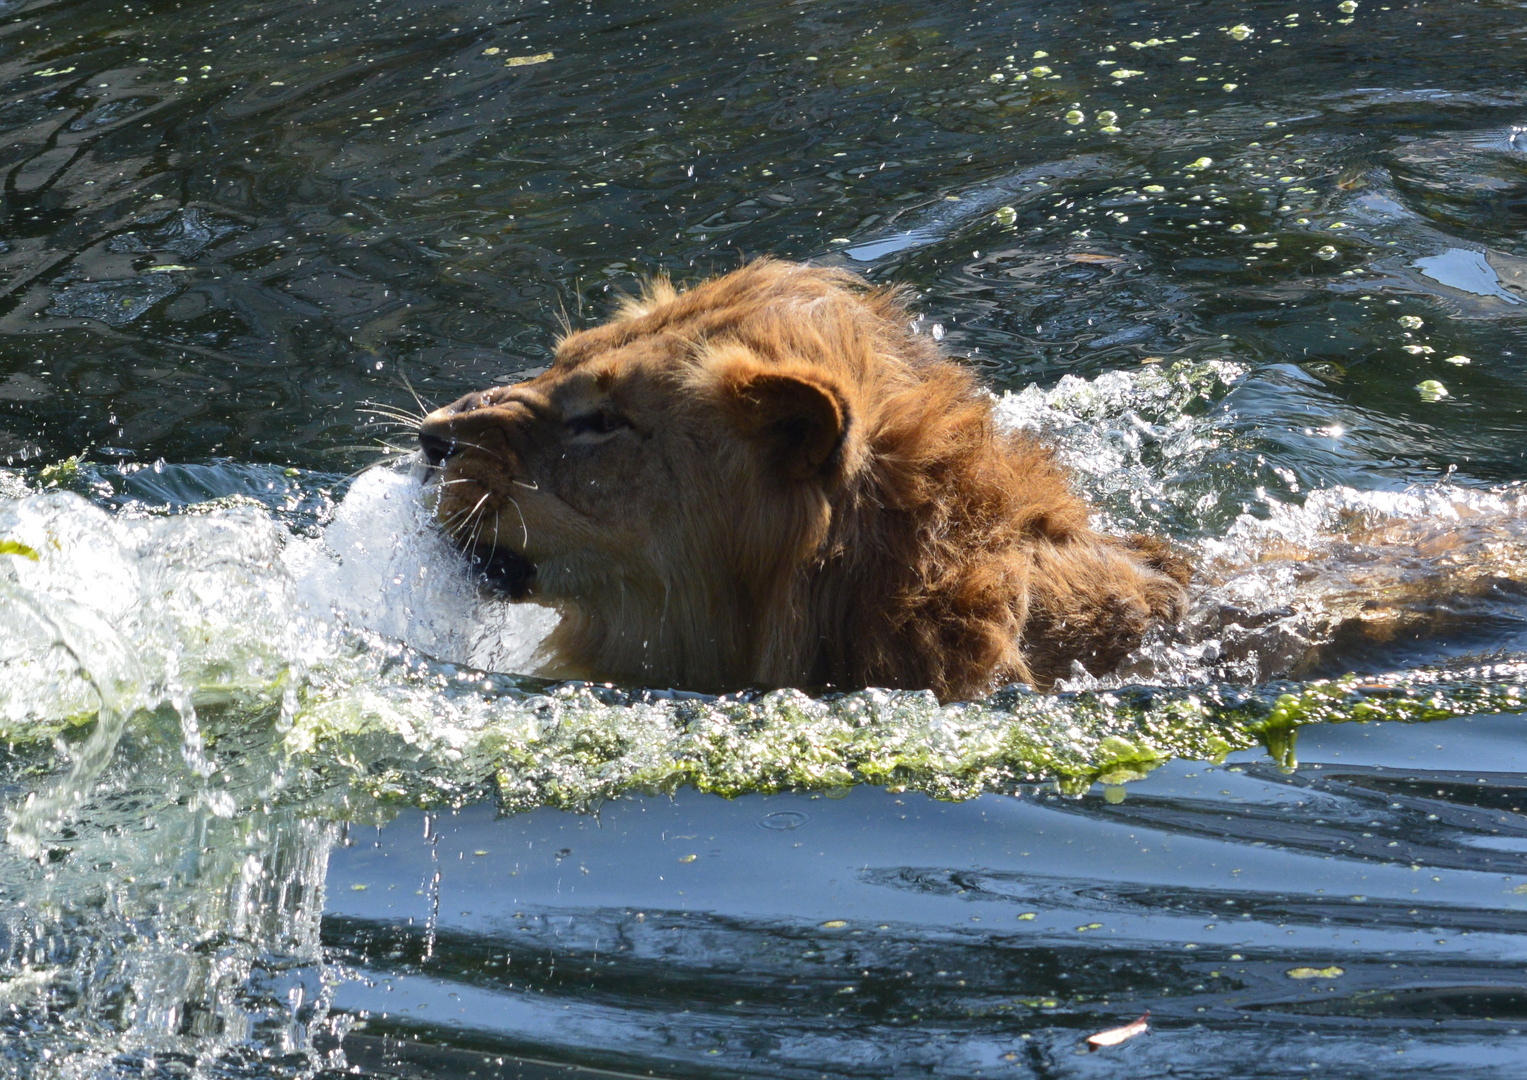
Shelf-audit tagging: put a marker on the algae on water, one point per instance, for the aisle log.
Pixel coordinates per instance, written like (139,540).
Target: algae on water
(16,547)
(576,745)
(213,617)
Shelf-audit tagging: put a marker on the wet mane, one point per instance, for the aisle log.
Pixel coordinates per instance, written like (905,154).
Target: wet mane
(845,510)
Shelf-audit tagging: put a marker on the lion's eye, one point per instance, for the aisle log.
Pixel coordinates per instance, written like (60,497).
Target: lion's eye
(596,423)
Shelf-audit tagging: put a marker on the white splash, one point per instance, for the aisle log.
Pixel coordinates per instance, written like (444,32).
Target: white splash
(382,566)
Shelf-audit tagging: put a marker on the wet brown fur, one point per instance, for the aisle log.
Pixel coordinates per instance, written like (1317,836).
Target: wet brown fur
(795,490)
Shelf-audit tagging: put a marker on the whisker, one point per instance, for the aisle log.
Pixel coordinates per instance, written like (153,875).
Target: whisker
(525,528)
(460,517)
(379,453)
(472,525)
(364,468)
(480,501)
(455,442)
(392,429)
(528,485)
(424,407)
(370,448)
(388,409)
(401,419)
(383,446)
(469,445)
(471,546)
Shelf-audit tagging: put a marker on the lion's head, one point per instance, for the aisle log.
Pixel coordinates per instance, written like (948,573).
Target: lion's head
(768,479)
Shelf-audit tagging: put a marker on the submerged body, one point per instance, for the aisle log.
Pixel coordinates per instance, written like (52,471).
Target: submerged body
(769,480)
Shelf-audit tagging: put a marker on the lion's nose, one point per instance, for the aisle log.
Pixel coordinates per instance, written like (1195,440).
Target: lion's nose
(436,449)
(435,438)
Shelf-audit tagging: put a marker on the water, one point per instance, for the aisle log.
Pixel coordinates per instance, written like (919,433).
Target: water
(283,795)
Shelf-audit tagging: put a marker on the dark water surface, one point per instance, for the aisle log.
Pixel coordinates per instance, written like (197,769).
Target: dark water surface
(1259,269)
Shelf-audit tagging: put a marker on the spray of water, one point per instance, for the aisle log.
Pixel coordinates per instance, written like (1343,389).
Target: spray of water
(193,701)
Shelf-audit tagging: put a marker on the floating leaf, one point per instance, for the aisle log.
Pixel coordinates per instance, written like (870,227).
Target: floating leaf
(1094,258)
(1114,1036)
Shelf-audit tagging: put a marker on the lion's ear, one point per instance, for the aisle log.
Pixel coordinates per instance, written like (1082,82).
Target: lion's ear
(798,414)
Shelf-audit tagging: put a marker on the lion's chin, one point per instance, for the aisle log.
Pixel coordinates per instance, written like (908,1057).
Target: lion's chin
(505,572)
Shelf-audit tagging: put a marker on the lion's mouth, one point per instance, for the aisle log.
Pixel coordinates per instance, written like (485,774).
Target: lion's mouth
(504,571)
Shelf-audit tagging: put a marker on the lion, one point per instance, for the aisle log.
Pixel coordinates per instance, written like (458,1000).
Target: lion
(771,480)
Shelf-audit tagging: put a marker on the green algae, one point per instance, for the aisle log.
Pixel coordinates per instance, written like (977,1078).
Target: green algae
(60,473)
(16,547)
(576,745)
(409,735)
